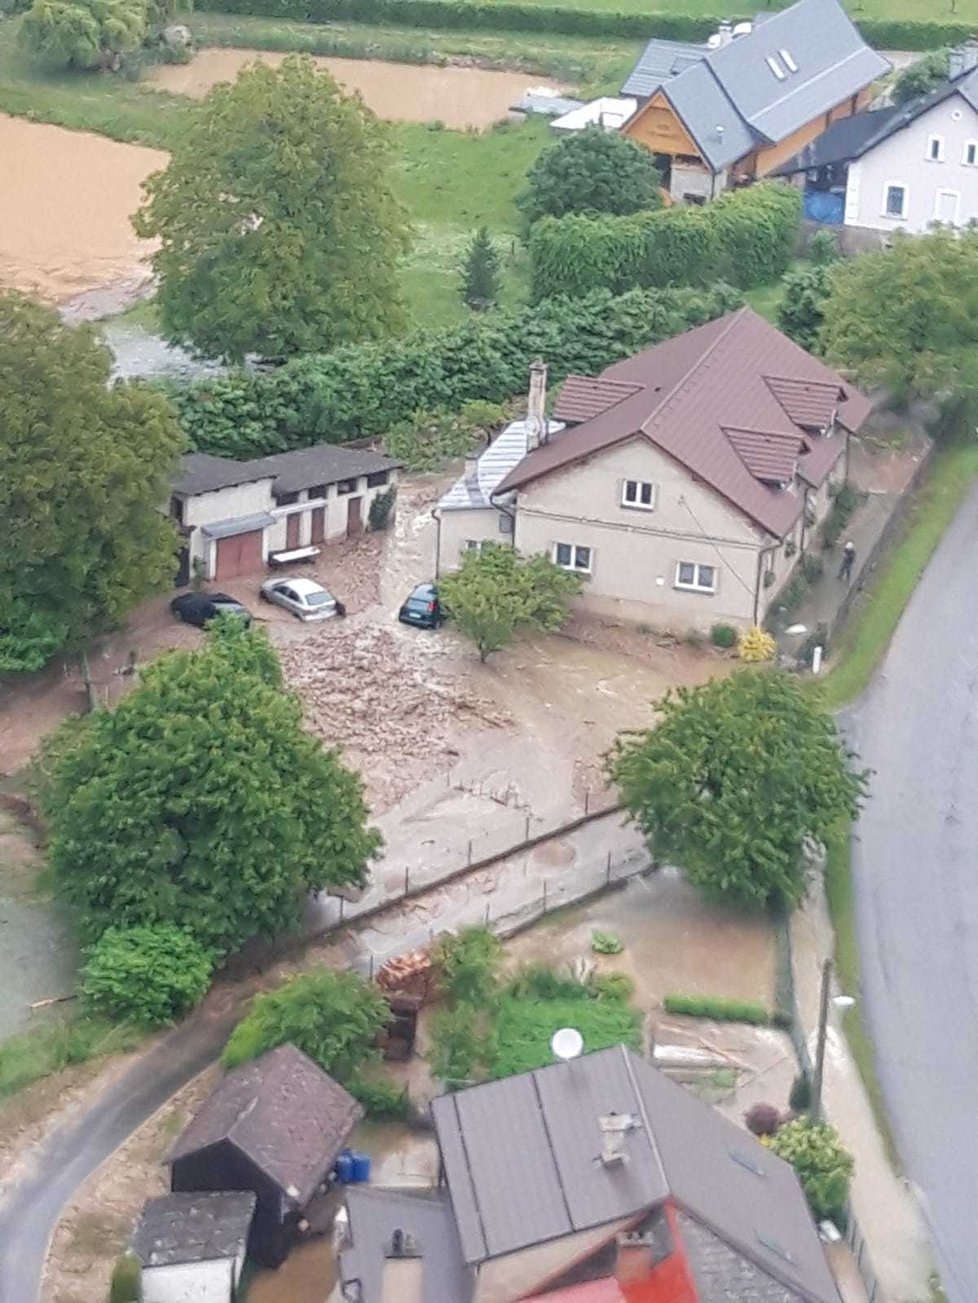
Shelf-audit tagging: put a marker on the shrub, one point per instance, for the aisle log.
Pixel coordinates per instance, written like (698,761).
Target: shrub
(367,389)
(762,1119)
(464,1045)
(755,645)
(334,1017)
(717,1008)
(590,171)
(845,502)
(124,1287)
(921,77)
(812,567)
(381,1098)
(429,439)
(617,987)
(723,635)
(541,982)
(145,975)
(468,962)
(480,272)
(745,236)
(605,943)
(381,507)
(801,312)
(800,1095)
(823,1166)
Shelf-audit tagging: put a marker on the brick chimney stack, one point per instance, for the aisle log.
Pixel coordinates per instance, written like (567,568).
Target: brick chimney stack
(536,406)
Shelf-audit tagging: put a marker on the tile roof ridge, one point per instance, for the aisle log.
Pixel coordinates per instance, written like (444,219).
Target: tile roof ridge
(657,412)
(626,1054)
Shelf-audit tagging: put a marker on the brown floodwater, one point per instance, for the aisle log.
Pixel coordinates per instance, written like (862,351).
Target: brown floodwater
(65,201)
(399,92)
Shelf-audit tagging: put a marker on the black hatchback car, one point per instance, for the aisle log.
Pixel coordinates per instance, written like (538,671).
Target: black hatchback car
(423,608)
(200,608)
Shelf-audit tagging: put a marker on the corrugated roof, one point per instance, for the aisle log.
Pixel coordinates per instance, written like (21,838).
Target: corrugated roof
(582,397)
(760,87)
(522,1161)
(282,1111)
(809,403)
(772,458)
(694,387)
(474,487)
(426,1216)
(325,463)
(180,1228)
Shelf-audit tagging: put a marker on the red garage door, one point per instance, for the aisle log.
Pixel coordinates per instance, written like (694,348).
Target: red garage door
(239,555)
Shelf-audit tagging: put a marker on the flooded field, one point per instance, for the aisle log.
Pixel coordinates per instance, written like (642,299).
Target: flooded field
(65,203)
(399,92)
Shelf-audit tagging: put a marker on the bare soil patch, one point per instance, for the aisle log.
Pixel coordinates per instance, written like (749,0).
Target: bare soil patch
(400,92)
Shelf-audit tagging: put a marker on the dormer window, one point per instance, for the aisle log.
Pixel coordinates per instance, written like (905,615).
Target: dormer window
(775,67)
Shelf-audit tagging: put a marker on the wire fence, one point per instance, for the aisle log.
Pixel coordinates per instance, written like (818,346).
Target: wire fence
(857,1243)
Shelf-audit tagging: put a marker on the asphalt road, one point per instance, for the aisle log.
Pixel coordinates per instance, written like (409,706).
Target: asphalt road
(915,863)
(31,1209)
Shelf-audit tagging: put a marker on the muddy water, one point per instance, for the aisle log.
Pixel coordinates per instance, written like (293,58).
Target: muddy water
(399,92)
(65,200)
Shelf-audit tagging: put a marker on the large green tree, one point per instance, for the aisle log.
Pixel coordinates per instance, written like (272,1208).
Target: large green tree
(84,473)
(906,317)
(496,593)
(734,780)
(279,232)
(590,171)
(83,33)
(201,802)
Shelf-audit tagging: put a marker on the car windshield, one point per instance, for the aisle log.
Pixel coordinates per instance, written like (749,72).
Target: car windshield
(417,604)
(317,599)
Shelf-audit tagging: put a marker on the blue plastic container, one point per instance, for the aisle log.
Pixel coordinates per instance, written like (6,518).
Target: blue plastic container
(344,1167)
(361,1167)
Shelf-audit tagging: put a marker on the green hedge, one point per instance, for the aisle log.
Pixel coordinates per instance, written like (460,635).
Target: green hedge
(746,237)
(476,14)
(717,1008)
(365,389)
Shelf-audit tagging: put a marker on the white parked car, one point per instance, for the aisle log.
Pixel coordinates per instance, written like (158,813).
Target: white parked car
(303,597)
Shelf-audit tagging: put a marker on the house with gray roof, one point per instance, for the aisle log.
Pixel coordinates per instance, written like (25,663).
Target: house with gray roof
(570,1181)
(900,167)
(192,1246)
(730,111)
(236,516)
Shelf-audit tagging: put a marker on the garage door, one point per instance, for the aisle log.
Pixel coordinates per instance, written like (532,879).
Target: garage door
(239,555)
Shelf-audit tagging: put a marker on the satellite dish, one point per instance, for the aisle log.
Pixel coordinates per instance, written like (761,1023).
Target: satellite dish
(566,1043)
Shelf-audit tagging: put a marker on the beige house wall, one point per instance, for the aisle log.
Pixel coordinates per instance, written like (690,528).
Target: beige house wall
(456,528)
(635,552)
(512,1277)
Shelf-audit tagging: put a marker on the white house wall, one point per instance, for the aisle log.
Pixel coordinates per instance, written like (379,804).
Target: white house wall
(457,528)
(191,1282)
(635,553)
(903,160)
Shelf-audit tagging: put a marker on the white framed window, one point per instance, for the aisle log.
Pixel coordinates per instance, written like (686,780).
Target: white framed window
(638,493)
(935,149)
(472,545)
(947,206)
(571,556)
(969,155)
(694,578)
(895,200)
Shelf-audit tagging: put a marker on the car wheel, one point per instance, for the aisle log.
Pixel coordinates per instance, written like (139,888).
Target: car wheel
(263,596)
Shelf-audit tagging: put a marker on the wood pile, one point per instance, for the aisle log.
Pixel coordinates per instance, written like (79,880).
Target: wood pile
(410,974)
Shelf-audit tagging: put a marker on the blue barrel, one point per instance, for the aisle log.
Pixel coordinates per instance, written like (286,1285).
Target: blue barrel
(344,1167)
(361,1167)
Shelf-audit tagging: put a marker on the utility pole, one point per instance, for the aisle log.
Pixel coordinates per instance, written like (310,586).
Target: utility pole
(823,1026)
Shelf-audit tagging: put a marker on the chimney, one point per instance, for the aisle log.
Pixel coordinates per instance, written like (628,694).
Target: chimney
(635,1260)
(403,1276)
(536,406)
(725,34)
(614,1128)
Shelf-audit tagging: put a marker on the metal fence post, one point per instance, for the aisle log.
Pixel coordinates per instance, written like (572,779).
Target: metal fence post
(587,801)
(371,966)
(470,850)
(545,895)
(487,913)
(407,880)
(341,909)
(608,877)
(526,830)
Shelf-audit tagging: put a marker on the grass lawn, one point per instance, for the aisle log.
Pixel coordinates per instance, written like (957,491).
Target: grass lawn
(921,10)
(58,1044)
(524,1027)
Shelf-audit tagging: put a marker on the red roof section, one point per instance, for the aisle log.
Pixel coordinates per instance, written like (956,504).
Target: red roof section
(737,373)
(584,397)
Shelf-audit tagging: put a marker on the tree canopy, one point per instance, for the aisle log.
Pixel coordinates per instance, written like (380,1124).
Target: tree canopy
(279,232)
(90,34)
(480,272)
(735,778)
(84,471)
(921,76)
(201,802)
(496,594)
(906,317)
(334,1017)
(594,171)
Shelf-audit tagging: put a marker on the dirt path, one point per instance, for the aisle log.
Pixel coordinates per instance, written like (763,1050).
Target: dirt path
(65,203)
(399,92)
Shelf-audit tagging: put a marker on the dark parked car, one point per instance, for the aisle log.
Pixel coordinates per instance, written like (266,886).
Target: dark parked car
(423,608)
(199,608)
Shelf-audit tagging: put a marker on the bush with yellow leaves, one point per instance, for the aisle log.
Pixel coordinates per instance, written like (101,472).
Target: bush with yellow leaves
(755,645)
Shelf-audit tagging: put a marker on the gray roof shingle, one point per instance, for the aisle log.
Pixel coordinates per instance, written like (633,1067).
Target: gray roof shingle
(325,463)
(375,1214)
(522,1161)
(181,1228)
(284,1113)
(736,88)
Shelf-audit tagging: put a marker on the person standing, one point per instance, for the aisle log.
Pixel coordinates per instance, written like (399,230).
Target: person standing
(848,561)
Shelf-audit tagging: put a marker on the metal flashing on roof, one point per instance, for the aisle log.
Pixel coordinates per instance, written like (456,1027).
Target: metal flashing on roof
(239,525)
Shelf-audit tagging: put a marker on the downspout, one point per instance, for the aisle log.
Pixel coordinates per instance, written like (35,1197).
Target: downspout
(758,579)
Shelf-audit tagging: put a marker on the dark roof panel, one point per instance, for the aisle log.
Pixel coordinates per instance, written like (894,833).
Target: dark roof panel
(710,116)
(809,403)
(772,458)
(180,1228)
(326,463)
(376,1214)
(282,1111)
(658,62)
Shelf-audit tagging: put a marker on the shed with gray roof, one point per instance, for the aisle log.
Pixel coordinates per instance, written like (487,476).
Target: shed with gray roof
(193,1246)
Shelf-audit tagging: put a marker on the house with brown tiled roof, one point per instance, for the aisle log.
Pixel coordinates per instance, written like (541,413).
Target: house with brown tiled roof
(683,484)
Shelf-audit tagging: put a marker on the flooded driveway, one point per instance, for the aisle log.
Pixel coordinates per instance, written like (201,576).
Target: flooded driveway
(65,202)
(399,92)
